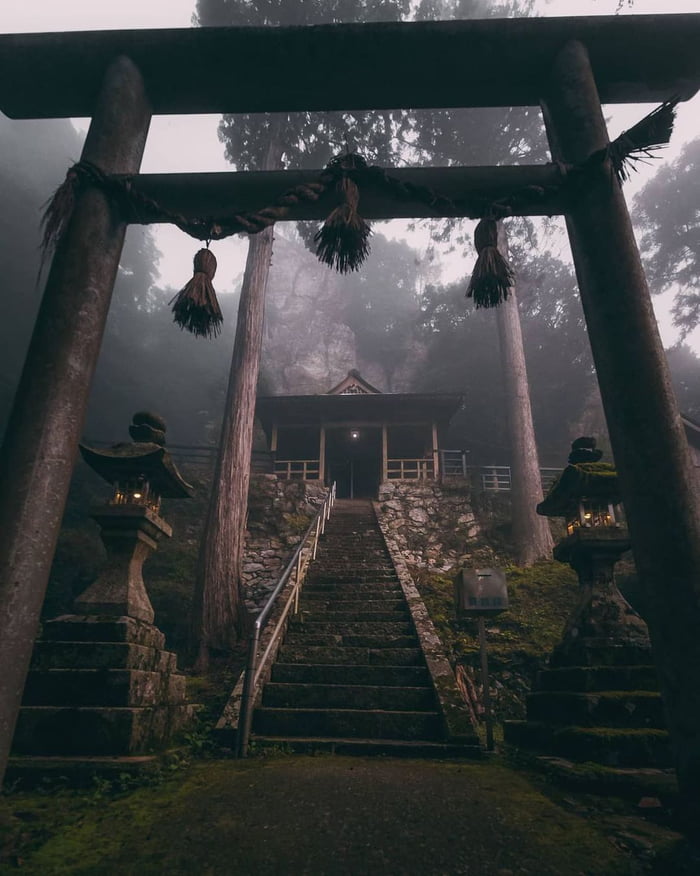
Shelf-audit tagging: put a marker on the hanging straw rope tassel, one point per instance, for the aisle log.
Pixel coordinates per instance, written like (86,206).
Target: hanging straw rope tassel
(652,132)
(492,276)
(59,208)
(195,307)
(343,240)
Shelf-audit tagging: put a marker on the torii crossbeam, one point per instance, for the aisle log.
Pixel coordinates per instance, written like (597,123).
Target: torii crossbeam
(566,65)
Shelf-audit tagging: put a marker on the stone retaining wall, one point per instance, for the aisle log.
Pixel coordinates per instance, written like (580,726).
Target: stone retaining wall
(279,513)
(432,524)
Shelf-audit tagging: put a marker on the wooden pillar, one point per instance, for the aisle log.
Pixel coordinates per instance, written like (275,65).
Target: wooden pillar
(385,454)
(436,455)
(36,461)
(645,428)
(322,454)
(273,439)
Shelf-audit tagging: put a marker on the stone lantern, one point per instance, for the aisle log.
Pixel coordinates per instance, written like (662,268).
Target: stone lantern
(587,496)
(141,474)
(597,699)
(101,684)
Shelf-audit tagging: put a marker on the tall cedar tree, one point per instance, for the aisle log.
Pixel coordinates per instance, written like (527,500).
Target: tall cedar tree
(667,212)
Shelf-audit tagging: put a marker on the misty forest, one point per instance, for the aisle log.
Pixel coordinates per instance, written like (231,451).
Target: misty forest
(429,487)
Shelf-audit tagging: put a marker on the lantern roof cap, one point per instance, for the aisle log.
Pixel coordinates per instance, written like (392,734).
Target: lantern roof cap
(580,481)
(140,459)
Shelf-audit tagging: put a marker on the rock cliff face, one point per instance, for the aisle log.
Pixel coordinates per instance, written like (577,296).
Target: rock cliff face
(309,344)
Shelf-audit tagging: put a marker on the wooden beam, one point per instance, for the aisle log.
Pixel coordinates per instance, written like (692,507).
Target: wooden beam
(469,189)
(486,62)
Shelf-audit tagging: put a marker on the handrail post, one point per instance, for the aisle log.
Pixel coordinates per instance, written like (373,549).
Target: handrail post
(245,718)
(318,528)
(297,582)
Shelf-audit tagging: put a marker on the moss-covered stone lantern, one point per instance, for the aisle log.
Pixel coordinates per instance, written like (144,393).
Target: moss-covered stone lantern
(141,473)
(597,699)
(587,496)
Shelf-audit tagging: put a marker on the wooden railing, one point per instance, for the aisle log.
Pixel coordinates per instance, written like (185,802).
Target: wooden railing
(410,469)
(297,469)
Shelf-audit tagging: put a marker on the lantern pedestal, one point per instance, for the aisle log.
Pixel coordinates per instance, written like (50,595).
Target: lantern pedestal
(598,699)
(603,622)
(101,684)
(130,533)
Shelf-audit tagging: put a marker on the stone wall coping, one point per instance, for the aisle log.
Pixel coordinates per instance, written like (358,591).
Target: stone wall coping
(454,710)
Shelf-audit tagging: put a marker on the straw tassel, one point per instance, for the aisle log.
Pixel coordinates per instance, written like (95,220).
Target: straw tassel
(343,240)
(59,208)
(652,132)
(195,307)
(492,276)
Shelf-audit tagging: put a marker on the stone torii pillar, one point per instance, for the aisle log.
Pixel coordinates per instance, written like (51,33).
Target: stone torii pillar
(36,461)
(647,437)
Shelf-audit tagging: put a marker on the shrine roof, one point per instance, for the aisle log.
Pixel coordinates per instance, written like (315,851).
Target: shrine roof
(482,63)
(312,410)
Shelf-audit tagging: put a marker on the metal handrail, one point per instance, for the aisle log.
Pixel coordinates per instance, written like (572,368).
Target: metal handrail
(254,665)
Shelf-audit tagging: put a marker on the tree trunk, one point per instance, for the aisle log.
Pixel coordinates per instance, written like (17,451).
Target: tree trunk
(531,534)
(220,615)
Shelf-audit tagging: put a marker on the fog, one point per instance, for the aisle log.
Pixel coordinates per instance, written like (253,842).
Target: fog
(403,320)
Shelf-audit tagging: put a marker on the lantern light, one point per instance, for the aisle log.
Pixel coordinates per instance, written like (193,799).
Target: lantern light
(593,514)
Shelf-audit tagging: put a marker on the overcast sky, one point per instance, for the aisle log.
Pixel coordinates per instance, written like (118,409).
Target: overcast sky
(190,143)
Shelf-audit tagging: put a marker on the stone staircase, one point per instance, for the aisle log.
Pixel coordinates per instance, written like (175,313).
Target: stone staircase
(351,676)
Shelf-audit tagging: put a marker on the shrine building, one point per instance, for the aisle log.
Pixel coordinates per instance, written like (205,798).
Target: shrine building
(356,435)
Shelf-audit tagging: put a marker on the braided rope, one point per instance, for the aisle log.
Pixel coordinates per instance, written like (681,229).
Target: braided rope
(139,208)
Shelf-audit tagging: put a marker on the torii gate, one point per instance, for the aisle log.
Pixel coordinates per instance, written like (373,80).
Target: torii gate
(566,65)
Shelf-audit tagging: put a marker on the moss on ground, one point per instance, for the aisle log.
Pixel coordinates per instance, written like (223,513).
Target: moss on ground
(316,815)
(520,639)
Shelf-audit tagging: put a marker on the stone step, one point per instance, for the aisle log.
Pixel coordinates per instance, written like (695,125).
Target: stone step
(348,696)
(102,687)
(101,655)
(359,628)
(88,628)
(629,709)
(605,745)
(377,590)
(300,673)
(315,654)
(371,576)
(370,747)
(53,730)
(592,678)
(312,604)
(330,640)
(348,723)
(600,654)
(354,616)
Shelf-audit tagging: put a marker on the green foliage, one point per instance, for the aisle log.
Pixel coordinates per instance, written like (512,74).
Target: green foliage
(666,210)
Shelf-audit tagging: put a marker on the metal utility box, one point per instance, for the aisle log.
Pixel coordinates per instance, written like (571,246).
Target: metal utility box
(480,591)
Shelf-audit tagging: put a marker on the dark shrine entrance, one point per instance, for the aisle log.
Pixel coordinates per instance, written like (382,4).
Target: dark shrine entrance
(354,457)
